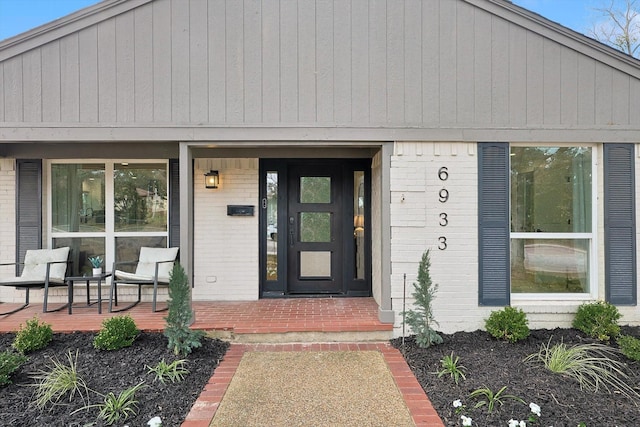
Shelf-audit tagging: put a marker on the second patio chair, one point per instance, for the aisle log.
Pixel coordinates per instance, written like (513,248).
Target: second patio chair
(153,268)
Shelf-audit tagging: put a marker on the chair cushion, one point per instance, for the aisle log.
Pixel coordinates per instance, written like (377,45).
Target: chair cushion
(35,264)
(149,257)
(124,275)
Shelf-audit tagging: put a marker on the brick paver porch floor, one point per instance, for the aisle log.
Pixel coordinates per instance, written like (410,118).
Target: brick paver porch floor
(255,317)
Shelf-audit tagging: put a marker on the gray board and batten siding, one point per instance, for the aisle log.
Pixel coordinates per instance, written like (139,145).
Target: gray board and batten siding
(465,70)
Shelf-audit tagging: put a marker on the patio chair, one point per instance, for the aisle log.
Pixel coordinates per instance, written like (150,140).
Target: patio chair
(42,269)
(153,268)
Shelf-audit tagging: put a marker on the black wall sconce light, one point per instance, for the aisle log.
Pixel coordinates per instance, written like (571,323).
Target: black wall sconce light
(211,179)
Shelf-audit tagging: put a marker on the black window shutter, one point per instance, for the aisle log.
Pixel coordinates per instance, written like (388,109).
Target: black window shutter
(28,207)
(619,224)
(493,224)
(174,203)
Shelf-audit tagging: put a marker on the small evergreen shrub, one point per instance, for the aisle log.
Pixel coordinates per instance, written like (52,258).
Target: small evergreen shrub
(117,332)
(34,336)
(508,324)
(598,320)
(10,361)
(181,339)
(630,347)
(421,320)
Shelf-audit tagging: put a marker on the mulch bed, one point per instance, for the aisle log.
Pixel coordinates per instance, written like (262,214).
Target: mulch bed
(494,364)
(109,371)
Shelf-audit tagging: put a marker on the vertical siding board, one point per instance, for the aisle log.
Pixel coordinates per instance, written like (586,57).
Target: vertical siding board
(360,96)
(569,87)
(395,63)
(180,67)
(88,63)
(252,62)
(307,81)
(270,62)
(162,62)
(378,61)
(234,62)
(143,72)
(107,72)
(604,94)
(535,79)
(552,83)
(289,61)
(499,67)
(482,32)
(448,66)
(217,61)
(413,62)
(13,89)
(125,88)
(430,62)
(586,90)
(198,60)
(70,79)
(51,82)
(2,85)
(32,85)
(634,102)
(342,72)
(465,71)
(325,61)
(517,75)
(620,89)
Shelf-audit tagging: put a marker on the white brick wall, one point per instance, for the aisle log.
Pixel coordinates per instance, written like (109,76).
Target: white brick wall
(8,227)
(226,263)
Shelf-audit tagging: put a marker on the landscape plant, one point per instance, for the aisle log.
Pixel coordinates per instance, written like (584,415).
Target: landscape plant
(58,380)
(182,339)
(116,408)
(421,319)
(10,361)
(508,324)
(490,398)
(34,336)
(630,347)
(117,332)
(592,365)
(598,320)
(174,371)
(450,365)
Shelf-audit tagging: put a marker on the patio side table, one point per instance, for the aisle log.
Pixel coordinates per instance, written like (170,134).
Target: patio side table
(87,279)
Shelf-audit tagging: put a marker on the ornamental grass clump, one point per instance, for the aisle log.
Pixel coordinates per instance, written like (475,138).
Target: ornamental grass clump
(598,320)
(508,324)
(34,336)
(421,320)
(117,332)
(450,365)
(58,380)
(592,365)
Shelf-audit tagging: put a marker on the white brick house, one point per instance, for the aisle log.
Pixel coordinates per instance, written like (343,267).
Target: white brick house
(360,132)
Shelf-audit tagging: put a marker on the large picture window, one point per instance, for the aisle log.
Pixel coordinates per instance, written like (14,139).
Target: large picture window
(108,209)
(552,239)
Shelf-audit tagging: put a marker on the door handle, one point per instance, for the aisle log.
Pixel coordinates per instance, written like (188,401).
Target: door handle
(292,228)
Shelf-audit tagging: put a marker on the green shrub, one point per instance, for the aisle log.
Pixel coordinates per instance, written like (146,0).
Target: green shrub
(33,337)
(630,347)
(117,332)
(181,339)
(421,320)
(10,361)
(508,324)
(598,320)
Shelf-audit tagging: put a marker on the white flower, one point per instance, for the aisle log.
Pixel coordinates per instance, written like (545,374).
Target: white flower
(466,421)
(457,403)
(514,423)
(522,424)
(155,422)
(534,408)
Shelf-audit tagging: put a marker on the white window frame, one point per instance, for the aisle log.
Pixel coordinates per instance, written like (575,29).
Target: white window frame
(109,235)
(592,236)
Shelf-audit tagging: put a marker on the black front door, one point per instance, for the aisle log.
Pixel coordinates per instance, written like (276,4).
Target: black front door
(314,217)
(314,229)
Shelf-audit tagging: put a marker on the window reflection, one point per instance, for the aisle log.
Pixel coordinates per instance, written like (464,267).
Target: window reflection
(358,223)
(78,197)
(272,225)
(140,197)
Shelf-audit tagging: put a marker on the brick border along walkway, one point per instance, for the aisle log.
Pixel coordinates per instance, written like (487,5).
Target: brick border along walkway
(415,398)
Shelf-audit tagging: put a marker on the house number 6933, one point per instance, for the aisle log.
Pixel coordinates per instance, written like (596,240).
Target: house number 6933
(443,197)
